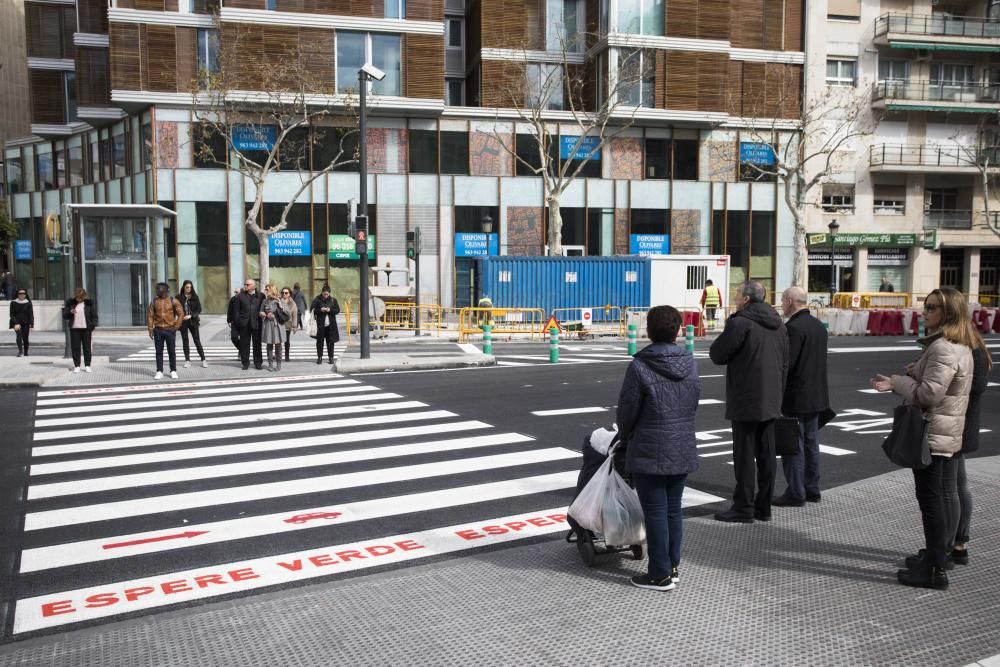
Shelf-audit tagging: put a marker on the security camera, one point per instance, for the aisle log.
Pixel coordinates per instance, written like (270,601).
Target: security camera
(374,73)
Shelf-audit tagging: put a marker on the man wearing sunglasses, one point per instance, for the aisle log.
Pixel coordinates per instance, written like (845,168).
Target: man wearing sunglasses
(22,320)
(248,322)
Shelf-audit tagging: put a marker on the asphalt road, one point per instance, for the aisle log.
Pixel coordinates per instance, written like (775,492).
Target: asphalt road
(151,496)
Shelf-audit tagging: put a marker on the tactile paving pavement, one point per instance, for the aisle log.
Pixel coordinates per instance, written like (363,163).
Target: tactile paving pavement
(816,586)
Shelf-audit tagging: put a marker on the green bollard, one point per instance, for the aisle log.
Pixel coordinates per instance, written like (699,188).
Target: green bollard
(920,327)
(554,345)
(631,340)
(487,339)
(689,338)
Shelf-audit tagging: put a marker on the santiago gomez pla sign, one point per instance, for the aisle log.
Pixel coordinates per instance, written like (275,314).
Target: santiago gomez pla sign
(289,244)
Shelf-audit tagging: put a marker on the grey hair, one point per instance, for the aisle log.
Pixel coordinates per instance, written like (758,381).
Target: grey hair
(754,291)
(796,295)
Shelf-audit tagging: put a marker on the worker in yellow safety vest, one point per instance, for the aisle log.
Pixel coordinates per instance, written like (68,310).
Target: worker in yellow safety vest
(711,299)
(485,316)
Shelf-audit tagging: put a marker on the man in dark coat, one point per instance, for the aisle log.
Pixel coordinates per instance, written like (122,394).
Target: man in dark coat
(656,410)
(754,349)
(807,396)
(234,331)
(248,322)
(300,302)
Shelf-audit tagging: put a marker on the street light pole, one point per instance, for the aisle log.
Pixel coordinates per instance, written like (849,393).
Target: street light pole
(833,227)
(363,214)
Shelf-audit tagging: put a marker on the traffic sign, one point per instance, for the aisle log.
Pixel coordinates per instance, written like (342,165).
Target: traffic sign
(553,322)
(587,316)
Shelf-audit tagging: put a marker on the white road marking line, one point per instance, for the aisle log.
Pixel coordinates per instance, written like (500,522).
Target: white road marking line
(875,432)
(89,551)
(246,433)
(567,411)
(993,384)
(173,386)
(267,445)
(715,444)
(710,435)
(260,418)
(245,406)
(37,491)
(513,363)
(705,456)
(873,391)
(720,375)
(468,348)
(540,357)
(189,398)
(240,494)
(835,451)
(709,401)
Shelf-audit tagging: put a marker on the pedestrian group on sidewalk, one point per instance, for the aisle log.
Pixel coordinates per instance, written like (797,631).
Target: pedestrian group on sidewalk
(777,370)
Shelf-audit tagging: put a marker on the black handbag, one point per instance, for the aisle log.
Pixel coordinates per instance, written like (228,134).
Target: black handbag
(786,436)
(906,445)
(281,315)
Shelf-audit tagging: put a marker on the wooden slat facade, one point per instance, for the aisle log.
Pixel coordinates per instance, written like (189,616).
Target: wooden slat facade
(794,24)
(48,98)
(161,57)
(93,16)
(126,56)
(93,77)
(318,57)
(425,10)
(187,58)
(423,66)
(49,30)
(682,80)
(774,27)
(513,24)
(682,18)
(503,84)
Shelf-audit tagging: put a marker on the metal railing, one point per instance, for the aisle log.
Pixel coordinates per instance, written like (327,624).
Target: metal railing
(502,320)
(919,155)
(942,25)
(936,91)
(948,219)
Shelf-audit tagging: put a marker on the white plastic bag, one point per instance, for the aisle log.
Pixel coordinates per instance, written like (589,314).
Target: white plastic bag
(608,505)
(601,439)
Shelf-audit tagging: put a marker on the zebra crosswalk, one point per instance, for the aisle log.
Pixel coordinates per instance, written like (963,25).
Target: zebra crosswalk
(147,496)
(575,354)
(301,349)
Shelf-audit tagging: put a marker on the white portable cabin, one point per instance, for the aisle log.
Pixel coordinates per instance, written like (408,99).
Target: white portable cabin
(678,280)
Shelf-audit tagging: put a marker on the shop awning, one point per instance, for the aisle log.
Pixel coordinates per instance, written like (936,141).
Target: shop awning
(943,46)
(124,210)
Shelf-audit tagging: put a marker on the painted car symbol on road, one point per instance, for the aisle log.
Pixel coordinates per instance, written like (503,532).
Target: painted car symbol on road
(302,518)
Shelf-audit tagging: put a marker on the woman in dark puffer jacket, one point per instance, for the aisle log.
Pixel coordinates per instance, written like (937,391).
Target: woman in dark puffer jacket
(656,410)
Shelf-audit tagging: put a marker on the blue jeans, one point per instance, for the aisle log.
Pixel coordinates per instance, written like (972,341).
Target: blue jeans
(660,497)
(161,336)
(802,471)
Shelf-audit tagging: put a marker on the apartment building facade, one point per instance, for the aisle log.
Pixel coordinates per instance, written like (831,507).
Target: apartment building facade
(916,199)
(112,125)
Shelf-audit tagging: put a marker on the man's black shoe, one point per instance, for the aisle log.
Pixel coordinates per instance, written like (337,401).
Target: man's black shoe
(731,516)
(814,497)
(924,577)
(784,501)
(914,562)
(319,361)
(261,367)
(761,517)
(960,556)
(246,367)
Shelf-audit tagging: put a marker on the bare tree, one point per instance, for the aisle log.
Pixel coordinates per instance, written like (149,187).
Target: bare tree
(535,91)
(828,124)
(984,155)
(259,116)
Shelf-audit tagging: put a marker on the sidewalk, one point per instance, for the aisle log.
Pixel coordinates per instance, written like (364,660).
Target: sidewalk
(816,586)
(47,367)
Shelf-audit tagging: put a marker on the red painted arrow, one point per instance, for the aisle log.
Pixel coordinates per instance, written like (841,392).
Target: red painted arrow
(161,538)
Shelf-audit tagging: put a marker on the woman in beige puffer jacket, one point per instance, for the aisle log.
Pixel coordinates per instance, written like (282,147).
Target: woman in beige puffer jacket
(938,383)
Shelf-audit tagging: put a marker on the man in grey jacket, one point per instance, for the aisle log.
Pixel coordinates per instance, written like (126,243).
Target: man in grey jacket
(754,349)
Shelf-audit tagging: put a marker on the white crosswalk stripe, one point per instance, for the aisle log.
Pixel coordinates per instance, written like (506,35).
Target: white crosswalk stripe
(219,474)
(225,352)
(575,354)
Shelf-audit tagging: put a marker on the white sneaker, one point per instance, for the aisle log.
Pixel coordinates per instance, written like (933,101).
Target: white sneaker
(158,376)
(76,370)
(173,375)
(204,363)
(86,369)
(187,364)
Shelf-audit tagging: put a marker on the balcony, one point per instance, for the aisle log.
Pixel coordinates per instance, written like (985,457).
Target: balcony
(948,219)
(950,97)
(937,32)
(918,158)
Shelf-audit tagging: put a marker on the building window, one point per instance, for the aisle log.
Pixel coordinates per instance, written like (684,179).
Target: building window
(841,72)
(838,198)
(893,70)
(208,51)
(889,200)
(545,86)
(455,153)
(650,221)
(638,78)
(208,147)
(685,159)
(354,49)
(563,25)
(423,151)
(69,83)
(118,159)
(640,17)
(657,158)
(528,155)
(395,9)
(271,5)
(455,33)
(15,183)
(204,6)
(455,89)
(75,165)
(46,177)
(844,10)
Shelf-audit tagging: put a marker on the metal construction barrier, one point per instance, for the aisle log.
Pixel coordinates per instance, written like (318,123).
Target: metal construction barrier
(502,320)
(402,316)
(846,300)
(603,321)
(693,316)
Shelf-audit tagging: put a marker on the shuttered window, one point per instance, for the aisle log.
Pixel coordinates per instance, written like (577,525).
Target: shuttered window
(844,9)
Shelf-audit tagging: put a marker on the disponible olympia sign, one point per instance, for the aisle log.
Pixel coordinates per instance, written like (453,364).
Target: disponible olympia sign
(289,244)
(870,240)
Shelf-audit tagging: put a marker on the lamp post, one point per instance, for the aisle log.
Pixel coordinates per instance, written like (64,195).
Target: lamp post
(487,223)
(367,73)
(834,228)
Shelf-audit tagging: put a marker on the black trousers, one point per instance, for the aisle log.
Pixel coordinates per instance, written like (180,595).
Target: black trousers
(191,327)
(250,336)
(753,457)
(930,485)
(80,341)
(234,336)
(22,339)
(325,335)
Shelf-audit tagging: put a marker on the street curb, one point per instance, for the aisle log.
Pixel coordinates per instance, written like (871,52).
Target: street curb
(408,363)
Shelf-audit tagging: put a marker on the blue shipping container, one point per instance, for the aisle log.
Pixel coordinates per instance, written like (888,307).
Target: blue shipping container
(564,282)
